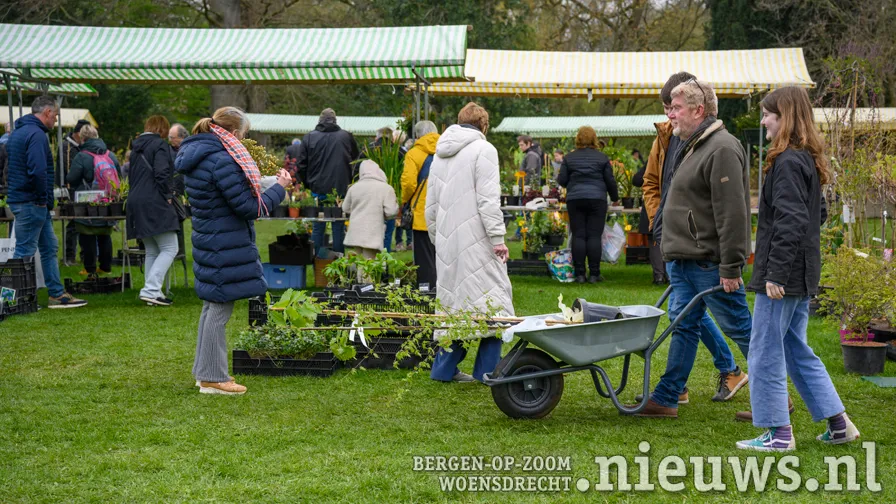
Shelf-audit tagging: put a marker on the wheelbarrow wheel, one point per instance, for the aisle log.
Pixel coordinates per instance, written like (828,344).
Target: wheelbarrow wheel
(533,398)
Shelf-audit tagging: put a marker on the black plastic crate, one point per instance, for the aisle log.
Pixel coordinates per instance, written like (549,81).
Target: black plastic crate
(382,353)
(291,255)
(19,275)
(100,285)
(637,255)
(527,267)
(322,364)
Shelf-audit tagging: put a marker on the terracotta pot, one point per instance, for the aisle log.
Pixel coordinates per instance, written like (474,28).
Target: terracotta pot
(294,212)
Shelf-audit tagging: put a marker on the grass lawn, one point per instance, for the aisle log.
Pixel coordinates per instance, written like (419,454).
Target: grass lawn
(98,405)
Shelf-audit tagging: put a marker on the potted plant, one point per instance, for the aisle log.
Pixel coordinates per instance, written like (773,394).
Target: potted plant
(308,206)
(331,205)
(557,231)
(532,243)
(80,209)
(294,209)
(863,288)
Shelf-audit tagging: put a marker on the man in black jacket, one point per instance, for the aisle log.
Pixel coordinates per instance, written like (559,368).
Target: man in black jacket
(324,164)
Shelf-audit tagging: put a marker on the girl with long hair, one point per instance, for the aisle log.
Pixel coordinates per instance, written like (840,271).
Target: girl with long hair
(786,271)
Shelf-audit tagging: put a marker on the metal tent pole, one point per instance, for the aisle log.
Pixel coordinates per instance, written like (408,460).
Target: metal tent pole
(426,110)
(416,100)
(59,139)
(20,102)
(8,83)
(761,137)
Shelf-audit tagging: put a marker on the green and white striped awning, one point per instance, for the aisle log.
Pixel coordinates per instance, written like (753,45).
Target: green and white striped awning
(67,88)
(234,56)
(559,127)
(301,124)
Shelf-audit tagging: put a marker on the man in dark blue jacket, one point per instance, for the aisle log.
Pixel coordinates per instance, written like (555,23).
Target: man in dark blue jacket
(31,195)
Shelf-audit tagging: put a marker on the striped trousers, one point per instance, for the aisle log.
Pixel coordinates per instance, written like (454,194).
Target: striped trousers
(210,364)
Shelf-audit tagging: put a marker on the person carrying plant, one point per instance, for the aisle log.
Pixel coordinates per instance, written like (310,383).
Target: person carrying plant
(786,271)
(94,167)
(369,202)
(656,179)
(465,222)
(705,240)
(224,188)
(588,178)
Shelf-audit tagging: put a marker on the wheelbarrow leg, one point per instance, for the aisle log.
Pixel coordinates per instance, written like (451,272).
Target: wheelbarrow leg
(514,354)
(623,382)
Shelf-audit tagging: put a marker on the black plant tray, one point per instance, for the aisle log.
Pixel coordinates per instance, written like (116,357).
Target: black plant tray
(527,267)
(381,354)
(637,255)
(102,285)
(322,364)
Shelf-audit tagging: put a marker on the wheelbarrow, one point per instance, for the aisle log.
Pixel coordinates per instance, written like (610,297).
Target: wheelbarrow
(528,381)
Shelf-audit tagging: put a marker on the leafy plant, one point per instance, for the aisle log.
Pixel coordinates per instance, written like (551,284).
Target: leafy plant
(624,168)
(557,226)
(294,309)
(299,227)
(388,156)
(308,201)
(332,199)
(863,288)
(268,164)
(341,272)
(2,202)
(282,341)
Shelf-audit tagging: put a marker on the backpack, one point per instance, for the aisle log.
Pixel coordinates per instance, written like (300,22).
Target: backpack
(105,176)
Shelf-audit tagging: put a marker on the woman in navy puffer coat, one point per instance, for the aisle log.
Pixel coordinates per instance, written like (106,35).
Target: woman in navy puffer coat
(225,259)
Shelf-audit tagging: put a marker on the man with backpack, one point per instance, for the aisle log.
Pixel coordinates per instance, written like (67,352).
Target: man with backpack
(94,168)
(413,196)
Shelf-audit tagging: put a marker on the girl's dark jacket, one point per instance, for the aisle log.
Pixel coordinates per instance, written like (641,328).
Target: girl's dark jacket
(788,238)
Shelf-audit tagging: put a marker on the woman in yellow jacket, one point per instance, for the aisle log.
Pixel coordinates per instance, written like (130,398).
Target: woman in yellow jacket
(413,189)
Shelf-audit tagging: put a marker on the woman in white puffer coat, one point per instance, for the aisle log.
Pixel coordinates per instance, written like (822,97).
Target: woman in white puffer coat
(465,223)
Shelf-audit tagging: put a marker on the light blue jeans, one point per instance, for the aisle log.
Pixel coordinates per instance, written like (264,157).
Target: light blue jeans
(778,348)
(34,231)
(688,279)
(160,252)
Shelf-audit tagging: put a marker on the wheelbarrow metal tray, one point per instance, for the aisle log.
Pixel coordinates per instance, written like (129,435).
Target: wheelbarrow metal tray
(583,344)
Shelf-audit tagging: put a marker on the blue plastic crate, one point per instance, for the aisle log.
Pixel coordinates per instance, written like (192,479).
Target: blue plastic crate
(282,276)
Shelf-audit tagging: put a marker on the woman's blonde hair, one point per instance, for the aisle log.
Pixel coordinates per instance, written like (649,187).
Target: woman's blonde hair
(474,115)
(230,118)
(586,138)
(792,106)
(88,131)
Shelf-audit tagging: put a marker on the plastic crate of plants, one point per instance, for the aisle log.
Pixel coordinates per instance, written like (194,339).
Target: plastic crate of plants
(637,255)
(321,364)
(18,287)
(382,352)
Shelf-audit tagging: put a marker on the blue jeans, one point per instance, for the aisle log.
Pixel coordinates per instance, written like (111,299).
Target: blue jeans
(318,229)
(689,278)
(390,231)
(401,233)
(778,349)
(444,367)
(712,339)
(34,231)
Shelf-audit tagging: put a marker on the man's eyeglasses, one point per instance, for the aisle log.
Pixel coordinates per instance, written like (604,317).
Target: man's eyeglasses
(694,80)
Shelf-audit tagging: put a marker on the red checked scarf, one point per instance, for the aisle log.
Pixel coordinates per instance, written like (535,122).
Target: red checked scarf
(239,154)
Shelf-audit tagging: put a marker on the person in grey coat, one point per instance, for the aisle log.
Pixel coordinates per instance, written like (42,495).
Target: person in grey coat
(369,203)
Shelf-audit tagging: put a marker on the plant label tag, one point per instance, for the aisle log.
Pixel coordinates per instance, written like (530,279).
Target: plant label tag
(397,282)
(367,288)
(424,287)
(7,295)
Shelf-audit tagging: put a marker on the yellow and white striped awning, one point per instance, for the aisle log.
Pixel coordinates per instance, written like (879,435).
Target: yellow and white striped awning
(624,74)
(883,118)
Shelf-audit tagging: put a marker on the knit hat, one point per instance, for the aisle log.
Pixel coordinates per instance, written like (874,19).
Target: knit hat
(80,124)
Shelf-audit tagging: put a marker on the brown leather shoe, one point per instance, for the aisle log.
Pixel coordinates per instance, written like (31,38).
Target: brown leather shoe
(655,410)
(224,388)
(747,416)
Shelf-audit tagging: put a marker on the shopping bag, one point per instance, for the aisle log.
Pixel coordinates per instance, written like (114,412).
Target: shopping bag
(612,243)
(560,265)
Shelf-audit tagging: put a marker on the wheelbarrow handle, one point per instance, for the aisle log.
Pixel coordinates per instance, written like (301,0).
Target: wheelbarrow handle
(687,309)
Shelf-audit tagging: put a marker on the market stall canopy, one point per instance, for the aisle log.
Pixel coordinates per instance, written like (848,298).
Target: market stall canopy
(233,56)
(885,118)
(301,124)
(559,127)
(623,74)
(67,116)
(70,89)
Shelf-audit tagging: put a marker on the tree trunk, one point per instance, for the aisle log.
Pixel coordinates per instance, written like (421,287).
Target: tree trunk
(248,97)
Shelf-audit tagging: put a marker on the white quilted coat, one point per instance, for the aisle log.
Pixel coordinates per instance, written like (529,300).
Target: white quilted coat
(465,222)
